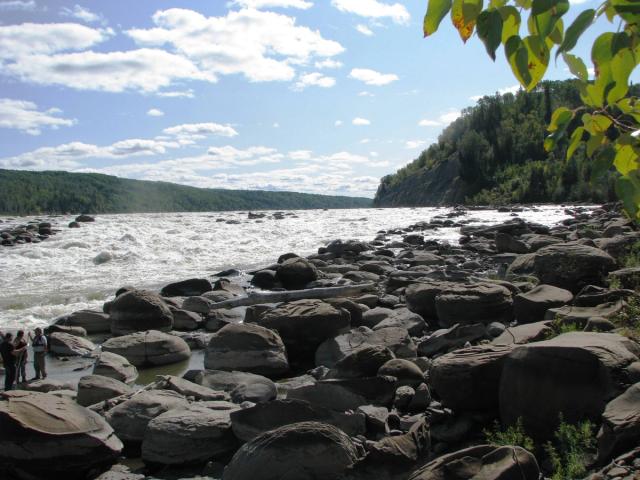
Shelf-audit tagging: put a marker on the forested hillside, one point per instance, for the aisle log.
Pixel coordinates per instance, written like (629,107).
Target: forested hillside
(24,192)
(494,154)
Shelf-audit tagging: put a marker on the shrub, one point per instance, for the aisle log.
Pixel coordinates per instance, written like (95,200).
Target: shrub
(512,435)
(570,452)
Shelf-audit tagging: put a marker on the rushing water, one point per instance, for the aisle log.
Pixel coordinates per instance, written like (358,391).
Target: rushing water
(81,268)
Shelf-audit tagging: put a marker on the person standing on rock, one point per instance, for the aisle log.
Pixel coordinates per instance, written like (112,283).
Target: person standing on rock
(9,354)
(39,346)
(21,360)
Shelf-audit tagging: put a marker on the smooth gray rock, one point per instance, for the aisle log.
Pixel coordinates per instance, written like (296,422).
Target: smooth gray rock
(93,322)
(242,386)
(620,430)
(149,348)
(473,303)
(94,389)
(138,311)
(115,366)
(531,306)
(68,345)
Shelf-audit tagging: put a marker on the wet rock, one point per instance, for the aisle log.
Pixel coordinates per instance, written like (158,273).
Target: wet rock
(296,272)
(93,322)
(115,366)
(265,279)
(94,389)
(221,317)
(531,306)
(149,348)
(139,310)
(247,348)
(184,320)
(85,218)
(340,248)
(191,434)
(301,451)
(40,429)
(187,288)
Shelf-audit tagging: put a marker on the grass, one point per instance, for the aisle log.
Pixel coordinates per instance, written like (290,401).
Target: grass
(628,319)
(559,326)
(632,259)
(513,435)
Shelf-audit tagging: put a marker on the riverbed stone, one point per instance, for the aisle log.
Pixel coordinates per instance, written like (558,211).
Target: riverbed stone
(620,430)
(473,303)
(46,436)
(149,348)
(301,451)
(115,366)
(187,288)
(407,373)
(532,305)
(184,320)
(296,272)
(248,348)
(94,389)
(421,297)
(527,333)
(65,344)
(93,322)
(241,386)
(192,434)
(444,340)
(191,390)
(139,310)
(362,362)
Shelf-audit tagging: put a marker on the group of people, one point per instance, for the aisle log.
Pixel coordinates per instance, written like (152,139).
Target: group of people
(15,355)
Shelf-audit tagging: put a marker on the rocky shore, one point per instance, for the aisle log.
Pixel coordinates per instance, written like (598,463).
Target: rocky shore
(391,359)
(35,231)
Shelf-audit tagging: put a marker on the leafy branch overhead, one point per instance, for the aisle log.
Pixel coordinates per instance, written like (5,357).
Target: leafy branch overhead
(609,118)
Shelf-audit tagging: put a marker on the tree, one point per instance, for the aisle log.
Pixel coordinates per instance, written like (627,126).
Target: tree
(609,116)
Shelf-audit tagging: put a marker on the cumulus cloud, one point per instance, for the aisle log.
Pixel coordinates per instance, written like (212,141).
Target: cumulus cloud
(371,77)
(178,94)
(154,112)
(363,29)
(413,144)
(328,63)
(262,46)
(143,70)
(18,5)
(301,4)
(365,94)
(200,130)
(374,9)
(361,121)
(80,13)
(443,120)
(25,116)
(300,155)
(314,79)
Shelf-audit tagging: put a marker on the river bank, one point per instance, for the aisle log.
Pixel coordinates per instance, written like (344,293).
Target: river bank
(402,350)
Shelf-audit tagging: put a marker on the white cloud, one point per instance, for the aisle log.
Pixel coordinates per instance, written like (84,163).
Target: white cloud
(413,144)
(363,29)
(328,63)
(371,77)
(177,94)
(154,112)
(262,46)
(338,123)
(361,121)
(25,116)
(501,91)
(314,79)
(191,130)
(143,70)
(31,39)
(443,120)
(81,13)
(301,4)
(300,155)
(365,94)
(18,5)
(374,9)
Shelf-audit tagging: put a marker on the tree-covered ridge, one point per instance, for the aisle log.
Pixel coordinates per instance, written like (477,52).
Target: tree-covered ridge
(494,154)
(23,192)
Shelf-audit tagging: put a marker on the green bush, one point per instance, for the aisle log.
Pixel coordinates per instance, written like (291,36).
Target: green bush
(628,319)
(512,435)
(571,449)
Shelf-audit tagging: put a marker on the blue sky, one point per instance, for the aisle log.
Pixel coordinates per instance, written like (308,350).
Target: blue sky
(322,96)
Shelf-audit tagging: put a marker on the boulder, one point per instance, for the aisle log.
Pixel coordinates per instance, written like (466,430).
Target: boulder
(115,366)
(527,333)
(149,348)
(531,306)
(522,264)
(139,310)
(221,317)
(576,374)
(94,389)
(363,362)
(444,340)
(340,248)
(265,279)
(407,373)
(374,316)
(469,378)
(191,434)
(620,430)
(48,385)
(131,418)
(301,451)
(335,349)
(506,243)
(198,304)
(93,322)
(404,318)
(242,386)
(486,462)
(572,266)
(473,303)
(248,423)
(184,320)
(46,436)
(77,331)
(192,390)
(67,345)
(304,324)
(581,315)
(296,272)
(187,288)
(247,347)
(421,297)
(85,218)
(628,277)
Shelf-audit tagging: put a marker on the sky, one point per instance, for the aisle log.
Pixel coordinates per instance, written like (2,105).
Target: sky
(316,96)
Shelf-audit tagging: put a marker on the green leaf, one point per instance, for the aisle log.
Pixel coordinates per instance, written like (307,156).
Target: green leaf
(518,59)
(557,34)
(596,124)
(622,64)
(577,28)
(560,119)
(538,59)
(526,4)
(602,162)
(436,11)
(463,15)
(576,66)
(594,142)
(628,10)
(510,22)
(626,160)
(628,190)
(576,140)
(490,31)
(544,16)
